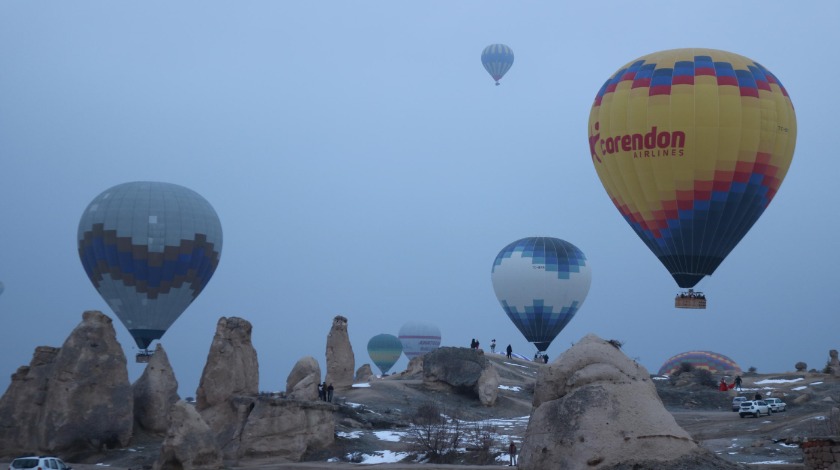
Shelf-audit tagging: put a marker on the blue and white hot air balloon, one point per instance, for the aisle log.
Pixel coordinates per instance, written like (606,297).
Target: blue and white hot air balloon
(497,60)
(149,248)
(541,283)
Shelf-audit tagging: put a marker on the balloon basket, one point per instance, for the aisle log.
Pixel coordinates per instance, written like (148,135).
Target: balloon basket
(143,357)
(691,300)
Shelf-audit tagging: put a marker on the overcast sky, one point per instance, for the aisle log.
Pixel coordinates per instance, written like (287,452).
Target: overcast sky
(363,164)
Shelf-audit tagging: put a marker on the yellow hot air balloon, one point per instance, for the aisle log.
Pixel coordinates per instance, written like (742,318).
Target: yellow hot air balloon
(691,146)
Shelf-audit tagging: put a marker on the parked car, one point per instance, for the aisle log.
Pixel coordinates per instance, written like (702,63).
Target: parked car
(38,463)
(776,404)
(736,403)
(755,408)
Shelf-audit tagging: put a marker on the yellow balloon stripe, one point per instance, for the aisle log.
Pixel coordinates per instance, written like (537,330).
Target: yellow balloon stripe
(691,146)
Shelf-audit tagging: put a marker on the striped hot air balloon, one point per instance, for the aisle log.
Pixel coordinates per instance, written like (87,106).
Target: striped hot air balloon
(497,60)
(150,249)
(691,146)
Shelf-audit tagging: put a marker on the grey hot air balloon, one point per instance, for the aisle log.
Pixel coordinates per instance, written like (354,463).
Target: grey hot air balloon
(149,248)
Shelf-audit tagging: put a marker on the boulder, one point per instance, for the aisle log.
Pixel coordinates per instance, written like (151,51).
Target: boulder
(593,389)
(340,360)
(302,382)
(88,403)
(284,430)
(189,443)
(154,393)
(229,383)
(363,374)
(463,370)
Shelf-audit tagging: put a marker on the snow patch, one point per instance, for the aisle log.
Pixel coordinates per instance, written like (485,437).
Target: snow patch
(778,381)
(361,385)
(388,436)
(508,387)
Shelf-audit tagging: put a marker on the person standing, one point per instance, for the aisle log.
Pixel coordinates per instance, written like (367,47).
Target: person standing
(330,393)
(493,346)
(320,392)
(512,452)
(472,344)
(324,388)
(738,383)
(509,351)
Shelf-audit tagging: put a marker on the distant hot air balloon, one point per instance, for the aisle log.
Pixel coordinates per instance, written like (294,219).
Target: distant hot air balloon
(419,338)
(149,249)
(541,283)
(384,350)
(691,146)
(708,360)
(497,60)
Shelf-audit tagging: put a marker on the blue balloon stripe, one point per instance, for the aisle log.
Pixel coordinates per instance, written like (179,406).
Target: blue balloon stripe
(149,273)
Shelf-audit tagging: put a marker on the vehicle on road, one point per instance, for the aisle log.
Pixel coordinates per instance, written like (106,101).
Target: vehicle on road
(755,408)
(38,463)
(776,404)
(736,403)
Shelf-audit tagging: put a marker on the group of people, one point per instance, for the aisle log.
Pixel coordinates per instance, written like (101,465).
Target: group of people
(736,384)
(474,344)
(325,392)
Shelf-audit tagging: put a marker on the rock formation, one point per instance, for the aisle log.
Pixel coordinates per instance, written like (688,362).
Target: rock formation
(340,360)
(834,362)
(154,393)
(302,382)
(189,443)
(593,389)
(229,383)
(285,430)
(22,405)
(464,371)
(363,374)
(75,398)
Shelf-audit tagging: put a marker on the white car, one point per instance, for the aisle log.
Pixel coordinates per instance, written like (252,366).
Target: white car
(755,408)
(38,463)
(776,404)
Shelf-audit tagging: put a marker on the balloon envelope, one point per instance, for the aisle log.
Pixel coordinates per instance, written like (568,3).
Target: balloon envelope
(419,338)
(497,60)
(149,249)
(708,360)
(384,350)
(541,282)
(691,146)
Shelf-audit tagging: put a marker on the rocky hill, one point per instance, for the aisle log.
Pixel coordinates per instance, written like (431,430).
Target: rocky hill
(454,407)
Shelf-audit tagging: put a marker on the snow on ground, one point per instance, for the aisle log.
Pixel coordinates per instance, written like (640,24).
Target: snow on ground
(350,435)
(517,365)
(361,385)
(508,387)
(796,389)
(770,462)
(391,436)
(778,381)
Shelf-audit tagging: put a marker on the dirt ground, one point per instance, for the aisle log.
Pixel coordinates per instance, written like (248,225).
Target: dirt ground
(703,411)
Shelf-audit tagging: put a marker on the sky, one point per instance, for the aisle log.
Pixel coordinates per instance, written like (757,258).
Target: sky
(363,164)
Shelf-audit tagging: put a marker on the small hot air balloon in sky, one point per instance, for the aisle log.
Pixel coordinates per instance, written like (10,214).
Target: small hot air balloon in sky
(711,361)
(497,60)
(150,249)
(691,146)
(419,338)
(384,350)
(541,283)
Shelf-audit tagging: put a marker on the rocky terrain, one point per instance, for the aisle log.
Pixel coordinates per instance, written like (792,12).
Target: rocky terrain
(394,420)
